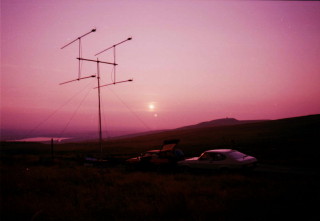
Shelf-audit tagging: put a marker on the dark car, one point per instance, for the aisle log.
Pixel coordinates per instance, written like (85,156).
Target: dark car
(144,157)
(166,157)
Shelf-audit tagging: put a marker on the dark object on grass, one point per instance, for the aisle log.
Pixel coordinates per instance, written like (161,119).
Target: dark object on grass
(166,157)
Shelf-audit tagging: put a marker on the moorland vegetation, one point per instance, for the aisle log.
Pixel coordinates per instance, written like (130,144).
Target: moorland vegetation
(36,185)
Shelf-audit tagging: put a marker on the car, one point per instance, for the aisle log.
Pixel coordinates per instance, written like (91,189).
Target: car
(144,157)
(166,157)
(219,159)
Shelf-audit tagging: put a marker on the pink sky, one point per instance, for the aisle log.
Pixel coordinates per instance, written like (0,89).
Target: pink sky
(193,60)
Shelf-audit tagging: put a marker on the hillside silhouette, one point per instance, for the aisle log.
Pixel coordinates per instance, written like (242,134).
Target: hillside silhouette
(220,122)
(290,140)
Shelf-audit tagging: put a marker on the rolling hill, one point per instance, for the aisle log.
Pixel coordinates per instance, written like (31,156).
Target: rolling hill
(292,139)
(220,122)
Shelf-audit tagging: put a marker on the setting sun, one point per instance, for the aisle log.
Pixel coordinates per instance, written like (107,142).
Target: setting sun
(151,106)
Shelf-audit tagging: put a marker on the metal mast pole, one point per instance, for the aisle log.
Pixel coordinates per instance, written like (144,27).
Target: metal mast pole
(114,61)
(99,96)
(79,63)
(99,100)
(98,75)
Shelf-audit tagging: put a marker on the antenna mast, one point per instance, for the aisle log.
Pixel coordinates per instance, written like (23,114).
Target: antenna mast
(97,61)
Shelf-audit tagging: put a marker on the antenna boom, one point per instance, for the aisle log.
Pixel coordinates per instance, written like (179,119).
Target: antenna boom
(93,30)
(118,82)
(113,46)
(97,61)
(78,79)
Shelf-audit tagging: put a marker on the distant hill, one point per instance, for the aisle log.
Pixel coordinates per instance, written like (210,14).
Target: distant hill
(291,140)
(213,123)
(220,122)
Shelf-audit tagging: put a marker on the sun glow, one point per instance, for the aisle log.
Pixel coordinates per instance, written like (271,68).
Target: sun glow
(151,106)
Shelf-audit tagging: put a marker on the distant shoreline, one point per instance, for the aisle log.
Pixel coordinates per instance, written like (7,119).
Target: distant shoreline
(41,139)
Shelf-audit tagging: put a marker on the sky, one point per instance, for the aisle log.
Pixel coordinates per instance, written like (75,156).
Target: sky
(190,61)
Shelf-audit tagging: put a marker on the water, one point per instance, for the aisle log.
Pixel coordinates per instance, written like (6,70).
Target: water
(43,139)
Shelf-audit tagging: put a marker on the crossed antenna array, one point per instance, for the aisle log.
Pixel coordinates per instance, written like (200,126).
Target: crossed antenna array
(98,62)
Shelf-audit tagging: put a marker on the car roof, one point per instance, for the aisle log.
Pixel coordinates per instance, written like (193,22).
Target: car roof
(220,151)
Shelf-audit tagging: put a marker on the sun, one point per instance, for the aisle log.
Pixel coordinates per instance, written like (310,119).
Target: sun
(151,106)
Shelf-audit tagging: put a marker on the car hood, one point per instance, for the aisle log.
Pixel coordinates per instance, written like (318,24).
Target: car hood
(133,160)
(191,159)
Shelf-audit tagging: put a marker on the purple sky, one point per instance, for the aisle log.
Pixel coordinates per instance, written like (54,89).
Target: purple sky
(191,61)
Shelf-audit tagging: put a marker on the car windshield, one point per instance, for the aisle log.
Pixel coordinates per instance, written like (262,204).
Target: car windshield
(236,155)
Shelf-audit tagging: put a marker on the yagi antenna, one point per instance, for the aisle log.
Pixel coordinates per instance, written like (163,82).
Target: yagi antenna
(98,62)
(80,50)
(114,55)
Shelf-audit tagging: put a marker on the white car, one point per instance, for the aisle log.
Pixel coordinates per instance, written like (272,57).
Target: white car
(219,159)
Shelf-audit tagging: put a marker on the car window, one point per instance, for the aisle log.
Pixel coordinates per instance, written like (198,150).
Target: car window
(217,156)
(237,155)
(150,154)
(166,154)
(205,156)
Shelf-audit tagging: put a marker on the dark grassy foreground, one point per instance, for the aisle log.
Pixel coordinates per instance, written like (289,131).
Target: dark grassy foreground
(68,191)
(33,187)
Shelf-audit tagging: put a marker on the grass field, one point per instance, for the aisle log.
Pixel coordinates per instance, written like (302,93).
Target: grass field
(35,187)
(75,192)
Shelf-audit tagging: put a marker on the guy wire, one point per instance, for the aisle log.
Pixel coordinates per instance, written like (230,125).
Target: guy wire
(55,111)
